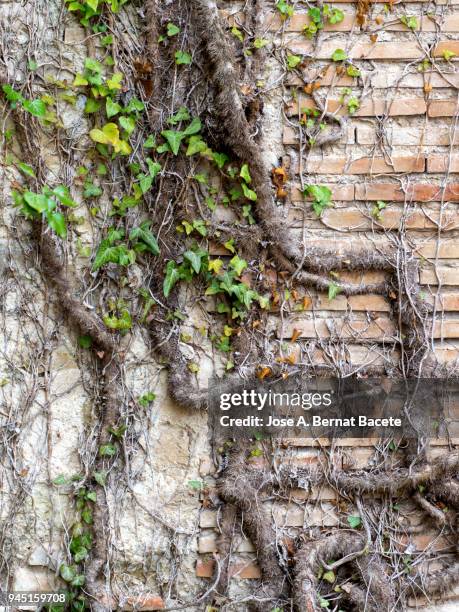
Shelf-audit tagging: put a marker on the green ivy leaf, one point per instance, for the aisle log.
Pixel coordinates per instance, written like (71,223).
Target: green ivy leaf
(194,127)
(68,572)
(333,290)
(238,264)
(220,159)
(181,115)
(85,342)
(174,139)
(339,55)
(91,106)
(26,169)
(182,58)
(135,105)
(57,222)
(249,193)
(293,61)
(354,521)
(11,94)
(321,196)
(150,142)
(128,124)
(144,234)
(100,477)
(107,450)
(171,278)
(114,83)
(111,108)
(195,260)
(62,193)
(37,108)
(172,29)
(245,174)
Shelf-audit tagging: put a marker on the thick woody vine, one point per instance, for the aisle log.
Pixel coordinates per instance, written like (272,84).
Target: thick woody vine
(178,130)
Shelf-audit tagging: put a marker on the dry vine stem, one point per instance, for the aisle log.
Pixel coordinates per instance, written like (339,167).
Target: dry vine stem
(211,88)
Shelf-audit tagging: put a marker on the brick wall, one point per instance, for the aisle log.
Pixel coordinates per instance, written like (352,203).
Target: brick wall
(399,147)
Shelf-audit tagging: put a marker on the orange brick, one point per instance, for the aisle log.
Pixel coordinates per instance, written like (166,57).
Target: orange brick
(447,275)
(416,192)
(291,136)
(300,20)
(343,193)
(244,571)
(441,163)
(368,108)
(390,219)
(448,302)
(446,329)
(365,165)
(375,51)
(447,45)
(447,249)
(379,330)
(443,108)
(425,135)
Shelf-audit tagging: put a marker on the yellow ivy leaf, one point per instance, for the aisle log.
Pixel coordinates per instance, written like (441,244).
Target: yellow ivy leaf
(215,265)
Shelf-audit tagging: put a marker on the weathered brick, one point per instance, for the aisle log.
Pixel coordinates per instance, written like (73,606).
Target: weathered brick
(447,45)
(207,543)
(416,192)
(375,51)
(380,329)
(448,275)
(299,20)
(368,107)
(365,165)
(343,193)
(291,135)
(426,135)
(390,219)
(447,249)
(390,76)
(443,163)
(248,570)
(443,108)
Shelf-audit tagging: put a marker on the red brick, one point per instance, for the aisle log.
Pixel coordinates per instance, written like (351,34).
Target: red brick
(299,20)
(441,163)
(291,136)
(247,571)
(447,275)
(443,108)
(416,192)
(379,330)
(365,165)
(390,219)
(378,50)
(447,45)
(343,193)
(368,108)
(422,136)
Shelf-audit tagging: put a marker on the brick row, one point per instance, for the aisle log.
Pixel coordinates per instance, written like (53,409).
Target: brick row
(399,164)
(300,20)
(388,192)
(390,218)
(370,165)
(380,329)
(425,135)
(368,107)
(375,51)
(398,107)
(389,75)
(291,135)
(446,302)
